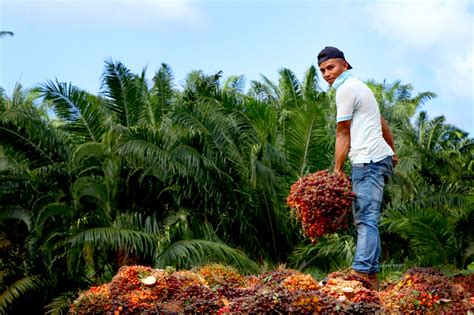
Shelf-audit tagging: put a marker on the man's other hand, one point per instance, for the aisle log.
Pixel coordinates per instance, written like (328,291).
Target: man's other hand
(394,160)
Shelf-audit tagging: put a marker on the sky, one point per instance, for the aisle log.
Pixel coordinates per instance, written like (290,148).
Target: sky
(426,43)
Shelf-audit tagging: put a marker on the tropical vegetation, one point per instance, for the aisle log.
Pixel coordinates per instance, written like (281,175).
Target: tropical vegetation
(151,173)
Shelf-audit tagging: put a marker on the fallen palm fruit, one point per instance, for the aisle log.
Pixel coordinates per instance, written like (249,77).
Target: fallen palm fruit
(418,291)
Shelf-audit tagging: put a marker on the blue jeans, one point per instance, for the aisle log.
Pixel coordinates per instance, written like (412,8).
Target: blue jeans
(368,181)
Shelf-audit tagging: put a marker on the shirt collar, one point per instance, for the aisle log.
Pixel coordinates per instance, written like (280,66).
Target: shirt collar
(341,78)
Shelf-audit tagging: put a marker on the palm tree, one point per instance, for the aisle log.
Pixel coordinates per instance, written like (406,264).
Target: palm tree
(290,120)
(35,158)
(307,137)
(153,174)
(435,194)
(81,224)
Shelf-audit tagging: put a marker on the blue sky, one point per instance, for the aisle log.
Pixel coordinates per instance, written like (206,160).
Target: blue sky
(426,43)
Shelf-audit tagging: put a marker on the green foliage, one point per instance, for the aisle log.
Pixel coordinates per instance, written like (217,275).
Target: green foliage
(186,254)
(79,112)
(329,254)
(60,304)
(166,176)
(18,214)
(429,200)
(31,285)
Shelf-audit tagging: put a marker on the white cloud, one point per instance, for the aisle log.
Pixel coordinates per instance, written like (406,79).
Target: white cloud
(456,74)
(434,33)
(423,24)
(114,11)
(165,10)
(177,10)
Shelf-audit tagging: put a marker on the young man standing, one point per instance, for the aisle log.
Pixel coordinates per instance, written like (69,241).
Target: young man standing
(364,136)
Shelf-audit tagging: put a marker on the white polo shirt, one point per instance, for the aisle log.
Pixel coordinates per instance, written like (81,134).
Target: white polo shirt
(355,101)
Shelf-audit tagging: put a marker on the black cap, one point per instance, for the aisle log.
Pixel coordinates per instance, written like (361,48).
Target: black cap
(330,53)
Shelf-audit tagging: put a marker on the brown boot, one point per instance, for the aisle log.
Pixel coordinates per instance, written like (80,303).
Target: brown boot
(374,281)
(360,274)
(371,278)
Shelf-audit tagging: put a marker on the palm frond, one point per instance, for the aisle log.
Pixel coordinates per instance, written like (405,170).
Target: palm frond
(199,86)
(330,253)
(60,304)
(18,214)
(186,254)
(26,132)
(152,225)
(20,98)
(306,141)
(424,97)
(427,231)
(123,95)
(265,163)
(272,87)
(234,83)
(442,197)
(118,238)
(292,94)
(310,85)
(27,285)
(80,110)
(436,132)
(421,123)
(162,93)
(214,129)
(84,151)
(262,92)
(52,209)
(92,186)
(149,149)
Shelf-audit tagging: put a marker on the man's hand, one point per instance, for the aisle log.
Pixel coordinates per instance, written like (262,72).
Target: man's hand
(387,135)
(340,172)
(394,160)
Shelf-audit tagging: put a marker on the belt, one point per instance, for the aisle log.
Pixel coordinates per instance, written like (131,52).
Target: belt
(371,162)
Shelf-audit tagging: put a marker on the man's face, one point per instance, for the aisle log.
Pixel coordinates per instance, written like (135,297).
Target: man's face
(332,68)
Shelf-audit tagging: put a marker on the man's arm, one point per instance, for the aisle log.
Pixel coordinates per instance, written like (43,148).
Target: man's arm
(343,142)
(388,136)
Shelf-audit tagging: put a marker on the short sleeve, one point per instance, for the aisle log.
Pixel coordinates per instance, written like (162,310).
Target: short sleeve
(346,100)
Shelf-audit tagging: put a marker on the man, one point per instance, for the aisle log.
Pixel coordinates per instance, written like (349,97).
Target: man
(364,136)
